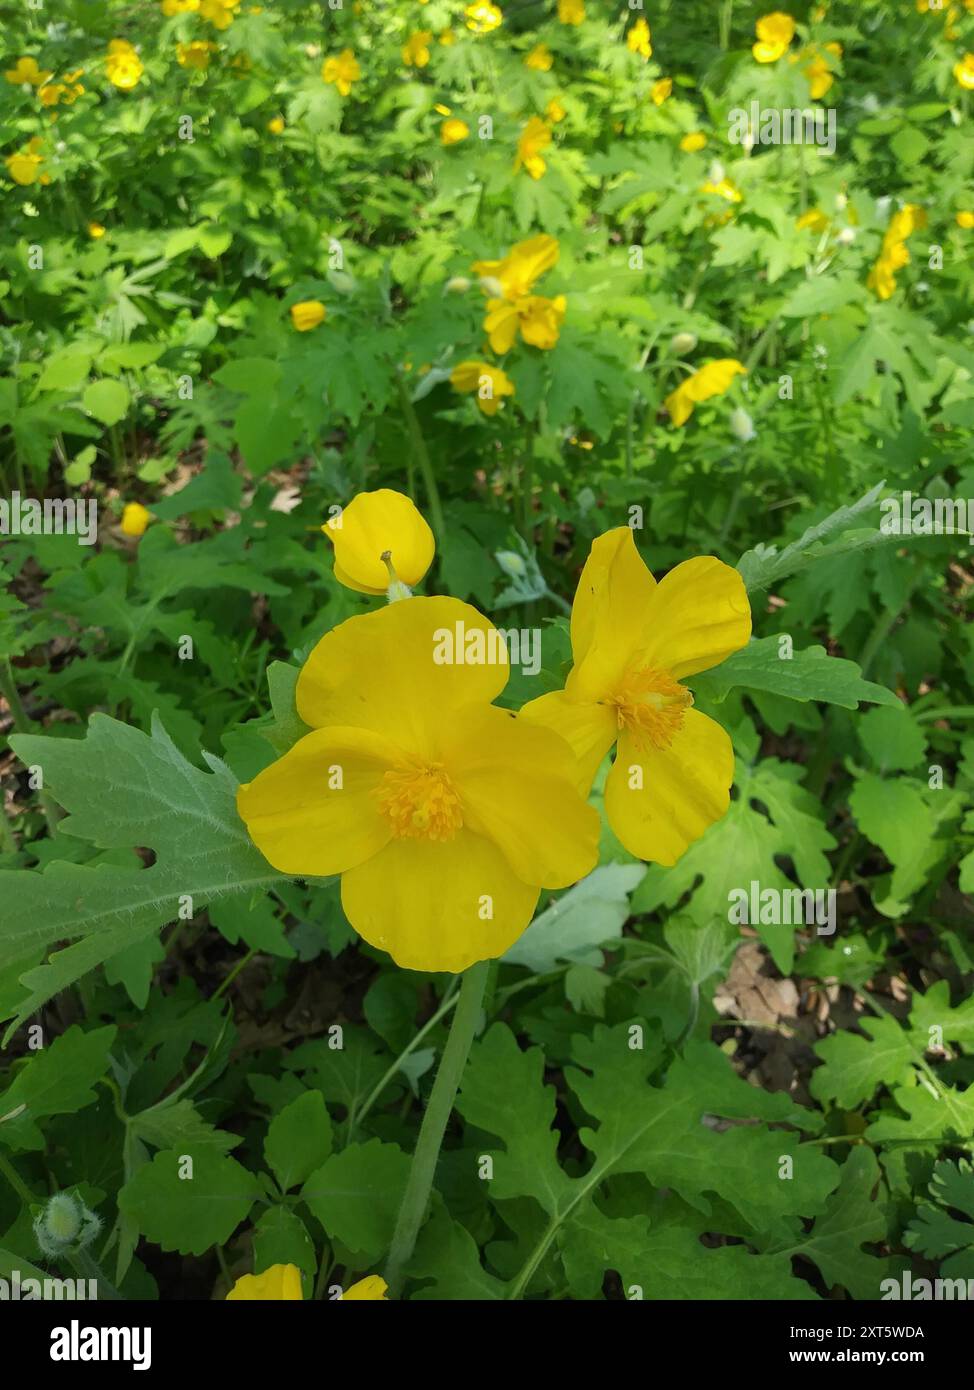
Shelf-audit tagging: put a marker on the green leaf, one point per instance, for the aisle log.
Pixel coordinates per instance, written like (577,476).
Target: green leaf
(806,675)
(299,1140)
(579,922)
(855,1066)
(281,1238)
(189,1201)
(765,565)
(57,1080)
(892,739)
(107,400)
(356,1195)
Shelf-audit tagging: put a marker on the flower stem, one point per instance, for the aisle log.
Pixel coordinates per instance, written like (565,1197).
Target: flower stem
(445,1087)
(423,459)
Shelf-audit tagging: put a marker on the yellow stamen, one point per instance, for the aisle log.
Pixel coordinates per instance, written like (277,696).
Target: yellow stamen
(420,802)
(651,705)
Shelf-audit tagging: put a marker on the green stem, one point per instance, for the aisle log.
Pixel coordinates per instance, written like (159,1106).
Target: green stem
(16,1181)
(423,459)
(87,1268)
(356,1118)
(433,1128)
(241,964)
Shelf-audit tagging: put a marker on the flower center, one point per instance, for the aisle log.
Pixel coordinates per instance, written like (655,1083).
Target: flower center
(651,705)
(420,802)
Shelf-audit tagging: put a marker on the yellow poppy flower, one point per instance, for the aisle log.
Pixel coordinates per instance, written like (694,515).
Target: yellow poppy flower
(814,220)
(96,231)
(219,13)
(633,642)
(27,73)
(123,66)
(342,71)
(444,815)
(491,384)
(820,78)
(373,1289)
(696,140)
(276,125)
(195,54)
(416,49)
(638,40)
(964,72)
(453,130)
(483,17)
(661,90)
(24,165)
(712,380)
(308,314)
(538,319)
(515,274)
(724,188)
(135,519)
(894,255)
(375,524)
(775,32)
(535,137)
(540,58)
(280,1283)
(571,11)
(966,220)
(174,7)
(554,111)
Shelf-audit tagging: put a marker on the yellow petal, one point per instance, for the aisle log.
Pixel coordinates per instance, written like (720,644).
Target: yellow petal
(381,671)
(501,325)
(588,729)
(608,614)
(516,781)
(372,1289)
(685,788)
(314,812)
(280,1282)
(698,616)
(438,905)
(371,524)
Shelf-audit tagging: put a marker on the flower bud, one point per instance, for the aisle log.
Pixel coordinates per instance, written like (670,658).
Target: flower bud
(492,286)
(511,563)
(682,343)
(64,1224)
(742,426)
(458,284)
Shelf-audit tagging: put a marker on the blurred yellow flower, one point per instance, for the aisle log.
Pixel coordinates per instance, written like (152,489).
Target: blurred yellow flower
(540,58)
(633,644)
(195,54)
(964,72)
(894,255)
(276,125)
(535,137)
(539,320)
(219,13)
(712,380)
(814,220)
(123,66)
(775,32)
(280,1283)
(515,274)
(571,11)
(24,166)
(965,220)
(96,231)
(416,49)
(638,40)
(373,1289)
(174,7)
(661,89)
(696,140)
(483,17)
(342,71)
(490,383)
(723,188)
(554,111)
(453,130)
(448,38)
(27,73)
(375,525)
(135,519)
(308,314)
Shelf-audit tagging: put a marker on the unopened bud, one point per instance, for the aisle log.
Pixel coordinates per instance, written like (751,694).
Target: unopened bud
(459,284)
(682,343)
(742,426)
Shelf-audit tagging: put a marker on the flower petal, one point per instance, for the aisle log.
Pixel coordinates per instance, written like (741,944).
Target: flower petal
(685,788)
(588,729)
(516,782)
(376,522)
(699,615)
(384,671)
(609,614)
(422,900)
(302,822)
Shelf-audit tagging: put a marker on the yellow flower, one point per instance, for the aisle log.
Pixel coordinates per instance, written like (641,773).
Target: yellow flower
(894,255)
(814,220)
(540,58)
(722,189)
(712,380)
(696,140)
(195,54)
(96,231)
(775,32)
(135,519)
(27,73)
(633,642)
(51,93)
(535,137)
(453,130)
(375,524)
(514,276)
(123,66)
(416,49)
(554,111)
(483,17)
(448,38)
(342,71)
(24,166)
(372,1289)
(219,13)
(444,814)
(964,72)
(571,11)
(308,314)
(965,220)
(538,319)
(819,76)
(276,125)
(638,40)
(174,7)
(490,383)
(661,89)
(280,1283)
